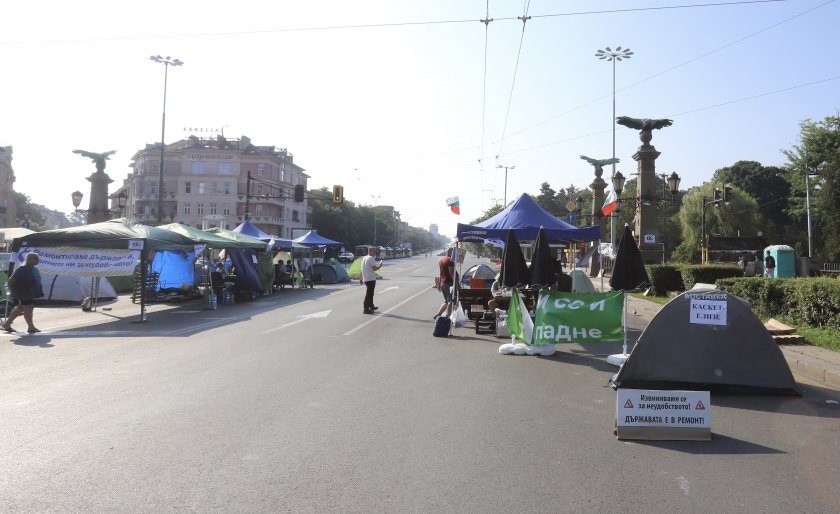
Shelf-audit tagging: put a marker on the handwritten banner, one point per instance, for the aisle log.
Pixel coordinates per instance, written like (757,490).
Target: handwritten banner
(82,262)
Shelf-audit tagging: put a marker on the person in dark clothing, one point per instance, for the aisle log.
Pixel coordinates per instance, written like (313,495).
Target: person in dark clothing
(446,280)
(217,281)
(25,285)
(769,266)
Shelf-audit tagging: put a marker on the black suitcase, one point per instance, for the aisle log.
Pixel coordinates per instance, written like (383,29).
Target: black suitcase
(442,326)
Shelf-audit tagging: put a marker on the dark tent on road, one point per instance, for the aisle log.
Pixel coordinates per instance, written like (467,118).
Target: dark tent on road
(707,340)
(327,272)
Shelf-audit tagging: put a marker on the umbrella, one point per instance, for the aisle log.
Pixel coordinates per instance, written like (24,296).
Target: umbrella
(543,265)
(514,268)
(628,273)
(629,270)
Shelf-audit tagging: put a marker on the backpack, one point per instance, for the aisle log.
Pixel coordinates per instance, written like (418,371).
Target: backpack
(443,325)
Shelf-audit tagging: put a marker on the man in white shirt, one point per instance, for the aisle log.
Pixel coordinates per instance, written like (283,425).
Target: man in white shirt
(368,278)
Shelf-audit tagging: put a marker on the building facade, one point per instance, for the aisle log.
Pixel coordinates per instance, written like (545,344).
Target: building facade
(8,206)
(206,184)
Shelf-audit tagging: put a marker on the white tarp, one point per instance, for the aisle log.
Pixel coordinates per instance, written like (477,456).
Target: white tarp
(63,288)
(82,262)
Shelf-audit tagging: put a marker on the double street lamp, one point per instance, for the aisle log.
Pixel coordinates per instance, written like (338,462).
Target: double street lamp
(618,180)
(122,199)
(609,54)
(167,62)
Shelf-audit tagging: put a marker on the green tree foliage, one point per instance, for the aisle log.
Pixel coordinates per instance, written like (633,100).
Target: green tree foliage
(739,217)
(769,186)
(24,205)
(818,152)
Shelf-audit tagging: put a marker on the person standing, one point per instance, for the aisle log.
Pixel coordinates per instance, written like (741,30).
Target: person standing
(446,280)
(769,265)
(25,285)
(368,278)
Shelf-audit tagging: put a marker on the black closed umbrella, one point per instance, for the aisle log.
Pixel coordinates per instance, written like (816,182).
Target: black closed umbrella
(514,267)
(629,271)
(543,266)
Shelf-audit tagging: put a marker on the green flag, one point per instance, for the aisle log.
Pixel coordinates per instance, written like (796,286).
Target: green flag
(578,317)
(520,323)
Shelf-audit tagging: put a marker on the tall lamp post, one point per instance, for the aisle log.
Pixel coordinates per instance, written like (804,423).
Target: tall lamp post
(613,55)
(167,62)
(375,198)
(506,170)
(808,210)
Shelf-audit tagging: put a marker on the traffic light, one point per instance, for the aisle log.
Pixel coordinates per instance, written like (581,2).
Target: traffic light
(299,193)
(338,194)
(727,194)
(717,194)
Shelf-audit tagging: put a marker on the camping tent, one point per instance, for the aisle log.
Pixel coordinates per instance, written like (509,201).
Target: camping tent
(525,217)
(254,268)
(312,239)
(65,288)
(707,340)
(327,272)
(482,271)
(113,234)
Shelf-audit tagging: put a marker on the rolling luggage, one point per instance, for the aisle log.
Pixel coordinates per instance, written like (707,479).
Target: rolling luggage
(442,326)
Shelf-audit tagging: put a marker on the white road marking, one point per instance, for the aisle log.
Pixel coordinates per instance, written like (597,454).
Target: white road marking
(375,317)
(388,289)
(322,314)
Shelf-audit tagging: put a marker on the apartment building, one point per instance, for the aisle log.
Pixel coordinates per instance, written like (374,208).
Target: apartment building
(206,184)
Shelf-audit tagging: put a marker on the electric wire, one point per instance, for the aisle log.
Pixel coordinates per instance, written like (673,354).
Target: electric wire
(524,19)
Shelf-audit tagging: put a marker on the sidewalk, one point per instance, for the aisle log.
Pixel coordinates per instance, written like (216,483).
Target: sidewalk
(812,362)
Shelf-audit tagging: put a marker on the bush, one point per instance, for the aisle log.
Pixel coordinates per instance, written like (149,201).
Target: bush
(806,301)
(693,274)
(664,278)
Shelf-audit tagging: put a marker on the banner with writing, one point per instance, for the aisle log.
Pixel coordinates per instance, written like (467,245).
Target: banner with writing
(578,318)
(82,262)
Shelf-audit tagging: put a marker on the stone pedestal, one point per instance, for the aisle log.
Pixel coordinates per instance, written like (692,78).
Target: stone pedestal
(98,210)
(598,186)
(646,226)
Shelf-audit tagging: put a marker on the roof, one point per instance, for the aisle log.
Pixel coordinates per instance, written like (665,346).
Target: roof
(113,234)
(736,244)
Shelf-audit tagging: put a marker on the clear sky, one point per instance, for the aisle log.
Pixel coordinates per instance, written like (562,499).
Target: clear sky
(414,101)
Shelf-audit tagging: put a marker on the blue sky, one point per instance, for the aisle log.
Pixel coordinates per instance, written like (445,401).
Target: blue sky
(392,98)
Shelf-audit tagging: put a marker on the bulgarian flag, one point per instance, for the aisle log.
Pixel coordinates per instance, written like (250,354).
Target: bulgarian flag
(610,203)
(454,204)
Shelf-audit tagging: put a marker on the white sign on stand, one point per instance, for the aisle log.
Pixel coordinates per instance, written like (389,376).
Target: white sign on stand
(707,308)
(663,415)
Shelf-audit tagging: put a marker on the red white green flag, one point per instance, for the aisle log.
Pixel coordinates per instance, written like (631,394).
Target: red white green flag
(610,203)
(454,204)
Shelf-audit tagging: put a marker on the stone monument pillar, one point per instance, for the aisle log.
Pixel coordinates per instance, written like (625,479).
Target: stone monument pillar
(98,208)
(646,227)
(598,186)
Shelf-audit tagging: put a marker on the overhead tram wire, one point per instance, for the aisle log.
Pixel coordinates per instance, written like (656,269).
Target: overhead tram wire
(392,24)
(524,19)
(727,45)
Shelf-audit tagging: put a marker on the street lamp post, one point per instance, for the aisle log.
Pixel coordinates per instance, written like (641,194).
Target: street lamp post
(375,198)
(166,61)
(808,210)
(506,170)
(613,55)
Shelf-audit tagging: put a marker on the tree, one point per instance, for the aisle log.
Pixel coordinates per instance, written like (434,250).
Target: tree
(769,186)
(24,205)
(818,152)
(547,199)
(739,217)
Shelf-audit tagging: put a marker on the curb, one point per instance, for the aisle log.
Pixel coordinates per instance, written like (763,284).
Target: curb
(813,368)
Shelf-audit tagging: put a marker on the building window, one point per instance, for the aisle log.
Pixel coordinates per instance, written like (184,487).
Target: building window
(224,168)
(147,209)
(199,209)
(258,210)
(226,209)
(198,168)
(201,188)
(227,188)
(259,190)
(152,188)
(283,174)
(261,170)
(187,188)
(213,208)
(138,188)
(295,216)
(186,207)
(214,188)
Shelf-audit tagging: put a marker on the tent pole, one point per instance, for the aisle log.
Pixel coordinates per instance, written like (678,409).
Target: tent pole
(624,346)
(143,278)
(601,265)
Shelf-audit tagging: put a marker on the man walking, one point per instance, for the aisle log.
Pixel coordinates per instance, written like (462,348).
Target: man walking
(368,278)
(769,265)
(446,279)
(25,285)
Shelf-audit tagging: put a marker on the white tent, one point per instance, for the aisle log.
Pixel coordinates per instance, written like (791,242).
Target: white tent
(65,288)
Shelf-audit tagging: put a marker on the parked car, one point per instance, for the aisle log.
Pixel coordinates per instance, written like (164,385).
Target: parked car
(346,257)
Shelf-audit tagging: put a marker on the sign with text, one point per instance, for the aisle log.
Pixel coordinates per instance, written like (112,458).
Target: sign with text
(578,318)
(82,262)
(707,309)
(665,409)
(650,238)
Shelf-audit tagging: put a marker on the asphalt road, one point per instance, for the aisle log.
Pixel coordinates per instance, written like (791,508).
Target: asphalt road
(298,402)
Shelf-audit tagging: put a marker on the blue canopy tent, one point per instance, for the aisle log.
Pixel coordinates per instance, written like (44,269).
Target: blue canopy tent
(249,229)
(312,238)
(525,217)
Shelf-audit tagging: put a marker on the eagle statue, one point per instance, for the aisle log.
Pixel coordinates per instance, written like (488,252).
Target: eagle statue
(599,163)
(98,158)
(643,124)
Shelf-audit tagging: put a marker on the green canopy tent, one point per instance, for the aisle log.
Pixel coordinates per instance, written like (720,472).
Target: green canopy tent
(71,247)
